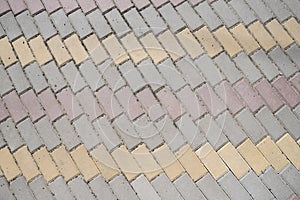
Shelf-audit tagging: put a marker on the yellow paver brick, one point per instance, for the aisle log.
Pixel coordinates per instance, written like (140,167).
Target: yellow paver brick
(244,38)
(23,51)
(146,161)
(253,157)
(234,160)
(190,43)
(273,154)
(58,50)
(126,162)
(115,49)
(40,50)
(290,148)
(293,27)
(95,49)
(280,35)
(84,163)
(153,48)
(171,45)
(64,162)
(8,164)
(212,161)
(76,49)
(228,42)
(6,52)
(190,161)
(167,160)
(262,36)
(206,38)
(134,48)
(26,163)
(105,163)
(46,164)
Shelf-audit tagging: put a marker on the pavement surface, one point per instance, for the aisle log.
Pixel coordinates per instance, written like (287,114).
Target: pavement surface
(139,99)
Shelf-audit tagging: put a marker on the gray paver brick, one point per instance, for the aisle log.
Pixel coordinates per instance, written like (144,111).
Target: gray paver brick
(189,15)
(11,134)
(10,26)
(91,75)
(279,9)
(225,13)
(294,6)
(243,10)
(2,32)
(27,25)
(21,189)
(122,189)
(80,23)
(101,189)
(40,189)
(292,177)
(172,18)
(294,52)
(60,189)
(80,189)
(260,9)
(18,77)
(154,20)
(117,22)
(208,15)
(136,22)
(44,25)
(36,78)
(99,23)
(144,189)
(62,23)
(5,192)
(290,121)
(6,84)
(54,76)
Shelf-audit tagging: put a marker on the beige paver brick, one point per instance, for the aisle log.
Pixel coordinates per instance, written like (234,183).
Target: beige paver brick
(23,51)
(273,154)
(146,161)
(6,52)
(244,38)
(190,43)
(253,157)
(167,160)
(84,163)
(105,162)
(234,160)
(190,161)
(134,48)
(46,164)
(262,35)
(64,162)
(40,50)
(8,164)
(280,35)
(95,49)
(115,49)
(171,45)
(153,48)
(126,162)
(293,27)
(76,49)
(228,42)
(26,163)
(212,161)
(206,38)
(290,148)
(58,50)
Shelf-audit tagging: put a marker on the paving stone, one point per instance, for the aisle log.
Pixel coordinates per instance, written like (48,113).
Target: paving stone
(14,106)
(207,14)
(20,189)
(4,189)
(260,9)
(23,52)
(30,101)
(8,165)
(58,50)
(11,134)
(122,189)
(99,23)
(44,25)
(80,23)
(40,189)
(289,120)
(36,78)
(73,77)
(95,49)
(101,189)
(293,52)
(62,23)
(243,10)
(188,14)
(4,7)
(117,23)
(105,5)
(91,75)
(16,6)
(40,50)
(69,5)
(18,78)
(171,17)
(6,84)
(293,6)
(76,49)
(51,5)
(293,27)
(291,176)
(80,189)
(279,9)
(158,3)
(224,11)
(10,26)
(123,5)
(144,189)
(54,76)
(295,80)
(3,111)
(27,25)
(60,189)
(154,20)
(141,3)
(136,22)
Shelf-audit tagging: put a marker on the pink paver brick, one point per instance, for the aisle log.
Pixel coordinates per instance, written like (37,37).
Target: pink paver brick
(194,2)
(123,4)
(34,6)
(17,6)
(104,5)
(89,103)
(130,103)
(170,103)
(176,2)
(69,103)
(3,6)
(295,80)
(3,112)
(158,3)
(150,103)
(191,102)
(249,95)
(294,197)
(86,5)
(69,5)
(14,106)
(109,102)
(291,97)
(30,101)
(51,5)
(211,100)
(50,104)
(141,3)
(269,94)
(230,97)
